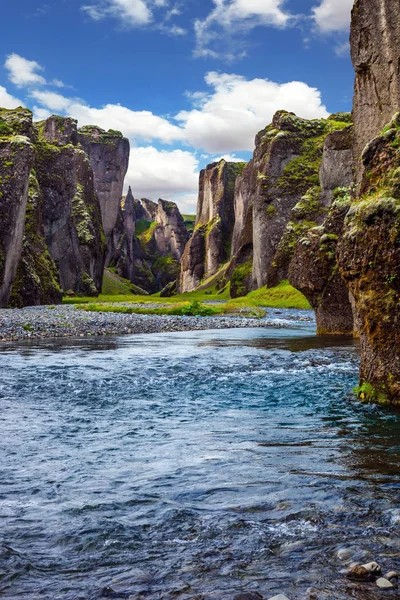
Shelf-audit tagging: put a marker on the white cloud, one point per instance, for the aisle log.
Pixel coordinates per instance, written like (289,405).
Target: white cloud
(51,100)
(8,101)
(333,15)
(228,119)
(23,72)
(157,174)
(235,16)
(130,13)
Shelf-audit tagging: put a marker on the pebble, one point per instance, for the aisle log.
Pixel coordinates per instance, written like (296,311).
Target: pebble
(392,575)
(344,553)
(279,597)
(384,584)
(40,322)
(248,596)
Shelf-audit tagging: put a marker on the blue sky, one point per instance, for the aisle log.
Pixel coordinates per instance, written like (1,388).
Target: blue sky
(187,81)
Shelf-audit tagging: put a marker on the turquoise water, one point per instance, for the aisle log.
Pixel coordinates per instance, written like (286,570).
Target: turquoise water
(191,465)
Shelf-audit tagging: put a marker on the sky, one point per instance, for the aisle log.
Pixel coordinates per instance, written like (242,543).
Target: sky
(187,81)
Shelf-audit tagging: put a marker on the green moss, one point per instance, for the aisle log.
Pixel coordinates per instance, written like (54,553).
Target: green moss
(240,277)
(369,393)
(271,211)
(190,221)
(82,218)
(146,236)
(141,226)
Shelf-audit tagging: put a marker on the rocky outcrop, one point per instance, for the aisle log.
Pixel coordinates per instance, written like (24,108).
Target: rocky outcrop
(310,241)
(375,51)
(284,168)
(148,252)
(369,261)
(36,281)
(16,162)
(71,210)
(108,152)
(52,234)
(314,271)
(210,245)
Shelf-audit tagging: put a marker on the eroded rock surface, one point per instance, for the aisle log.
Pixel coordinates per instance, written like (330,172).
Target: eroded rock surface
(108,152)
(16,162)
(210,245)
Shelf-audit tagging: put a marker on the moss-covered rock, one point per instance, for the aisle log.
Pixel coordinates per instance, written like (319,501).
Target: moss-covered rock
(36,280)
(284,171)
(369,260)
(16,161)
(211,243)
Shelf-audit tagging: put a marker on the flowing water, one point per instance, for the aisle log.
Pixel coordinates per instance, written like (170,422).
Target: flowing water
(192,465)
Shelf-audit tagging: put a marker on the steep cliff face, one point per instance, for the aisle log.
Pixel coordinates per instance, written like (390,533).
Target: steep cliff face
(375,51)
(108,153)
(71,210)
(314,270)
(369,260)
(36,281)
(285,167)
(210,245)
(16,162)
(148,252)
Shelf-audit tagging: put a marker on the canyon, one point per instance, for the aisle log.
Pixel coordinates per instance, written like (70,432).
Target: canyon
(317,205)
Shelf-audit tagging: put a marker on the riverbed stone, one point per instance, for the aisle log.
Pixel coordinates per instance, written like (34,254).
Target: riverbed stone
(248,596)
(392,575)
(384,584)
(373,567)
(279,597)
(360,573)
(344,553)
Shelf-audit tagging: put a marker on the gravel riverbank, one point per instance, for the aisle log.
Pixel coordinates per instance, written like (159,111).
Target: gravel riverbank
(68,321)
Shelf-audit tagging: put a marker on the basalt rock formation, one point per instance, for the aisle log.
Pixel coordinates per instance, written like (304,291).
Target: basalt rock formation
(108,152)
(52,237)
(369,260)
(210,244)
(369,250)
(148,243)
(16,162)
(375,52)
(311,238)
(285,169)
(71,209)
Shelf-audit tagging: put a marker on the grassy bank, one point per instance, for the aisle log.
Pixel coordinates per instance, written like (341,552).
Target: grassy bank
(194,303)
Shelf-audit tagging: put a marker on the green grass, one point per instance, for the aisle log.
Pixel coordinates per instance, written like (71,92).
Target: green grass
(281,296)
(181,309)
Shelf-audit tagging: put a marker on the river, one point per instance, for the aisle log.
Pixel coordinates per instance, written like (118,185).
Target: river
(192,466)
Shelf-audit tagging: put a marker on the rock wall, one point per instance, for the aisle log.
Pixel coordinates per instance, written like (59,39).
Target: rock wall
(310,242)
(148,243)
(52,236)
(16,162)
(210,244)
(285,167)
(71,210)
(108,152)
(369,261)
(375,52)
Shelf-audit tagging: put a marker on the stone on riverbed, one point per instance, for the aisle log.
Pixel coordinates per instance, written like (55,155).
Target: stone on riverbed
(373,567)
(384,584)
(344,553)
(248,596)
(360,573)
(279,597)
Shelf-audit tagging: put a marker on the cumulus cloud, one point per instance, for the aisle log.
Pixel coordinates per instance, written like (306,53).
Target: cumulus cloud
(333,15)
(227,119)
(235,16)
(23,72)
(157,173)
(8,101)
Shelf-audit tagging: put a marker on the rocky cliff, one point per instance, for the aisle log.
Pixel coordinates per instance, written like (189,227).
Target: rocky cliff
(52,233)
(369,256)
(210,244)
(149,241)
(285,172)
(108,152)
(311,238)
(375,52)
(369,260)
(16,162)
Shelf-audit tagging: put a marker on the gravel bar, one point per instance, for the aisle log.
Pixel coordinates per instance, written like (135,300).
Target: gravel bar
(67,321)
